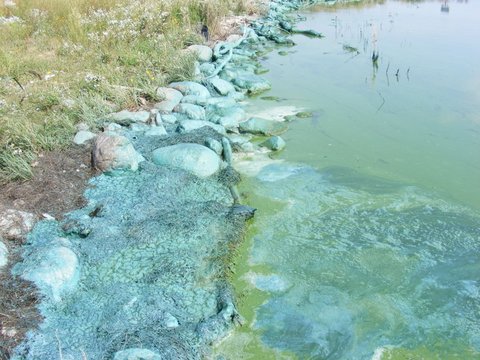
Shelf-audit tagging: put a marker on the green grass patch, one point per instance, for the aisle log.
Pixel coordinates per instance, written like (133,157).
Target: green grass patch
(66,62)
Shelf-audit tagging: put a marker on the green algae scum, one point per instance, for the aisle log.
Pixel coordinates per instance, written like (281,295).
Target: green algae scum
(366,243)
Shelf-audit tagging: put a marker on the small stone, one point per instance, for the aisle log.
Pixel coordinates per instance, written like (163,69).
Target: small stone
(83,136)
(171,321)
(15,224)
(259,126)
(194,112)
(169,118)
(223,87)
(203,53)
(126,118)
(190,88)
(82,127)
(113,127)
(158,130)
(275,143)
(215,145)
(170,98)
(304,114)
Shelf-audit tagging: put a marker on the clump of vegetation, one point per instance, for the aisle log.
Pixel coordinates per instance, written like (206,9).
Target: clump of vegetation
(65,62)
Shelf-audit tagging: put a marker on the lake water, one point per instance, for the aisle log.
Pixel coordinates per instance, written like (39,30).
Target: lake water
(366,244)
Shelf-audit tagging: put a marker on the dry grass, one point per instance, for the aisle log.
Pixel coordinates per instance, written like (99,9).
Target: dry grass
(65,62)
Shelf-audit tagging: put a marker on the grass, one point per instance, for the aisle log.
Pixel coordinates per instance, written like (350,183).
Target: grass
(66,62)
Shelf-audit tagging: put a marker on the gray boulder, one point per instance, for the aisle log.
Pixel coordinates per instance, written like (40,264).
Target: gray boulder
(112,152)
(193,112)
(83,136)
(190,125)
(196,100)
(126,118)
(259,126)
(254,84)
(203,53)
(169,118)
(191,88)
(15,224)
(195,158)
(136,354)
(171,98)
(274,143)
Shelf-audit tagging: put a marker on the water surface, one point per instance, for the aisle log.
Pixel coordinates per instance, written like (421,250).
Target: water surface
(366,244)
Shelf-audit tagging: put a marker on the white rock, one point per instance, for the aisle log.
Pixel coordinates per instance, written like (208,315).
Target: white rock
(136,354)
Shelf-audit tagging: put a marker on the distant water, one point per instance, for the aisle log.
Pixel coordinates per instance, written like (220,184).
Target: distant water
(367,239)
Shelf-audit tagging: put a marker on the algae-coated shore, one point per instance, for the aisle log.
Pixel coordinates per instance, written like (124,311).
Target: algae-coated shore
(141,270)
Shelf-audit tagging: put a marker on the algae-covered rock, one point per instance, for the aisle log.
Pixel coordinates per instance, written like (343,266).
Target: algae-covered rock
(254,84)
(136,354)
(259,126)
(170,98)
(83,136)
(274,143)
(190,125)
(112,152)
(55,270)
(215,145)
(195,100)
(190,88)
(228,117)
(158,130)
(126,118)
(203,53)
(223,87)
(193,112)
(195,158)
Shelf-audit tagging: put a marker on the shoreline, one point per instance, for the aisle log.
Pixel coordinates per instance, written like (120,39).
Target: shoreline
(136,169)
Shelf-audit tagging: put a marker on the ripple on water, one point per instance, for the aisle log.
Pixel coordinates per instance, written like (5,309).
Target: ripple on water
(371,267)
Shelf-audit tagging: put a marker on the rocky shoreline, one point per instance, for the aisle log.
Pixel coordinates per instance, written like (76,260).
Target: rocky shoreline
(142,270)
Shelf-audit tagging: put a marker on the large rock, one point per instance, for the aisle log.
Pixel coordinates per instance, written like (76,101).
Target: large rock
(55,270)
(126,118)
(190,125)
(170,98)
(195,158)
(15,224)
(191,88)
(136,354)
(259,126)
(193,112)
(203,53)
(112,152)
(228,117)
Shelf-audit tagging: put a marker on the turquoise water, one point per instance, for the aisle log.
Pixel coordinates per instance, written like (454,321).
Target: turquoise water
(367,239)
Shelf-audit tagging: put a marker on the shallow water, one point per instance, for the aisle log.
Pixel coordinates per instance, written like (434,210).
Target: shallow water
(367,241)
